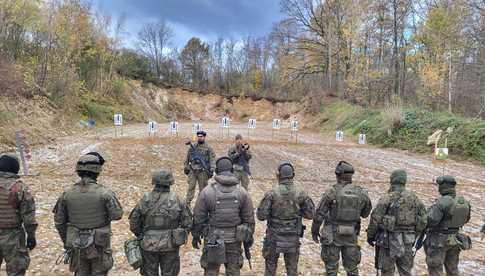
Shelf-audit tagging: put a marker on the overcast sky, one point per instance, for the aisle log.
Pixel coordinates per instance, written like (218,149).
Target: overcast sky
(207,19)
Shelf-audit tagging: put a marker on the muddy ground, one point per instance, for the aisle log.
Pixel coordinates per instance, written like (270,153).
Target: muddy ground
(131,158)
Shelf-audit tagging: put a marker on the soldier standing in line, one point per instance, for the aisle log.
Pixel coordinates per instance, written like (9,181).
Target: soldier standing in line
(341,208)
(199,165)
(17,218)
(240,156)
(162,221)
(284,209)
(395,223)
(83,216)
(444,242)
(224,218)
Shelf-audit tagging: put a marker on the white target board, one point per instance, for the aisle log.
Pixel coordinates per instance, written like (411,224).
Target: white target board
(362,139)
(252,123)
(225,122)
(152,127)
(339,136)
(276,123)
(294,125)
(174,127)
(118,119)
(196,127)
(441,153)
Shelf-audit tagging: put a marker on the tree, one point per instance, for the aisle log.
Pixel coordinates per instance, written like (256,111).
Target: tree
(154,41)
(194,58)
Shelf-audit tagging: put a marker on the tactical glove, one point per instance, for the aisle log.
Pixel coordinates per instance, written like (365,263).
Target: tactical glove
(316,232)
(210,173)
(31,241)
(186,171)
(196,242)
(371,241)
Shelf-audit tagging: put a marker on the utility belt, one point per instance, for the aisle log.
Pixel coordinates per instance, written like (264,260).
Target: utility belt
(288,227)
(389,224)
(345,228)
(91,241)
(446,231)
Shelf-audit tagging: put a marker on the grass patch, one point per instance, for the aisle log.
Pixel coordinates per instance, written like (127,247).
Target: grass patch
(408,129)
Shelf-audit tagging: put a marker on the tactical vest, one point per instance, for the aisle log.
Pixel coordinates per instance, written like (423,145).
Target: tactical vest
(9,216)
(457,215)
(347,209)
(226,213)
(86,210)
(403,208)
(163,214)
(285,210)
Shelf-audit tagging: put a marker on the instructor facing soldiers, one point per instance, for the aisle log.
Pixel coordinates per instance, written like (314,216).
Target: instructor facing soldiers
(224,218)
(199,165)
(284,209)
(340,209)
(17,218)
(83,215)
(240,156)
(395,223)
(162,221)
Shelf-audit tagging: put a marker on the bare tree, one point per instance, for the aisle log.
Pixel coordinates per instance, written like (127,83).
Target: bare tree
(153,41)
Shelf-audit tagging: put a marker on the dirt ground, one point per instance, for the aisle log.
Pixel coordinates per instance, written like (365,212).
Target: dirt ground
(132,157)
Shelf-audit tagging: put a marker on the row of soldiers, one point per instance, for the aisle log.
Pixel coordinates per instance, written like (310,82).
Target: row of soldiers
(223,222)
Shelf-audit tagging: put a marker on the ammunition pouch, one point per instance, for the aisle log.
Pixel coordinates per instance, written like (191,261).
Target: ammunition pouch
(79,239)
(215,252)
(243,233)
(389,223)
(157,241)
(464,241)
(179,237)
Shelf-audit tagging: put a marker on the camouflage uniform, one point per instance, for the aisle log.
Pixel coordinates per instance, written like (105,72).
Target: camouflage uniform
(283,208)
(196,174)
(341,208)
(83,216)
(17,220)
(445,218)
(240,156)
(224,217)
(395,223)
(161,220)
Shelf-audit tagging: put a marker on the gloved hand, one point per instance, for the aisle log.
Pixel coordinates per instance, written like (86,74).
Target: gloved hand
(31,241)
(210,173)
(316,232)
(371,241)
(196,242)
(186,171)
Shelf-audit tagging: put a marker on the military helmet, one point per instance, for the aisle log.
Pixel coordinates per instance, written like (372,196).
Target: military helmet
(446,180)
(344,168)
(286,170)
(9,163)
(162,178)
(89,163)
(223,164)
(398,177)
(97,154)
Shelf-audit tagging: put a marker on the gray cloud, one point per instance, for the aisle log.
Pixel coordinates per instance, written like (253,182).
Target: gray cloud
(207,18)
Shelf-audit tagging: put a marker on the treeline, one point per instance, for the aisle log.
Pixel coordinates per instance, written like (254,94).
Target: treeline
(428,54)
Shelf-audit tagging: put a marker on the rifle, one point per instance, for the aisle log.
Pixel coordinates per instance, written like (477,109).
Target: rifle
(195,157)
(247,253)
(419,243)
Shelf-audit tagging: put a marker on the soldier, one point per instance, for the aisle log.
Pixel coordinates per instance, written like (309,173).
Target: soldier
(161,220)
(395,223)
(283,208)
(224,218)
(341,208)
(17,218)
(445,218)
(83,216)
(199,165)
(240,156)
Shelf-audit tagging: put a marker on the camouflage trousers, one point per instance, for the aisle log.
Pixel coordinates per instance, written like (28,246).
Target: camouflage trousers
(404,264)
(271,261)
(13,251)
(243,178)
(81,265)
(167,262)
(193,179)
(439,256)
(350,259)
(233,265)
